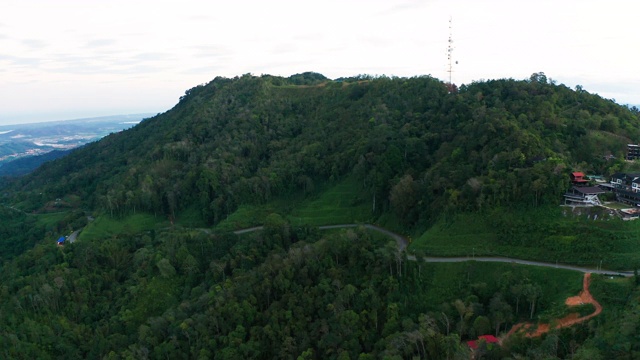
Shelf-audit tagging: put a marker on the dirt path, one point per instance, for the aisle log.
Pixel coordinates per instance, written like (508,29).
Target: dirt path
(584,297)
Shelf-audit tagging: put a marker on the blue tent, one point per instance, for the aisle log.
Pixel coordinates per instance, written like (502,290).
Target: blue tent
(61,240)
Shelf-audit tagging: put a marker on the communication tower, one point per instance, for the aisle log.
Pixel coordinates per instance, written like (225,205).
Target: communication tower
(450,51)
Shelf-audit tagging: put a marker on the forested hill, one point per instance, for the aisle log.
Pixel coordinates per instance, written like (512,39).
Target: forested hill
(415,147)
(132,285)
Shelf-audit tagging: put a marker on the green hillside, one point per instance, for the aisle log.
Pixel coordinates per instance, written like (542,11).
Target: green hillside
(548,233)
(157,272)
(411,146)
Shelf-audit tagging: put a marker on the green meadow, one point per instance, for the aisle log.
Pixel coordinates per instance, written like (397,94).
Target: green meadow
(104,226)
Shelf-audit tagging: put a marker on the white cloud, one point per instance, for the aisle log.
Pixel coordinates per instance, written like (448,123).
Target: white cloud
(34,43)
(161,48)
(95,43)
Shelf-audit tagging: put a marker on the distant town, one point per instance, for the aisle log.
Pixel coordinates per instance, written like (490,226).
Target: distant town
(24,140)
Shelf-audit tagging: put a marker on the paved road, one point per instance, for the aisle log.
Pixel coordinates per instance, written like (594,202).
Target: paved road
(72,238)
(403,242)
(248,230)
(523,262)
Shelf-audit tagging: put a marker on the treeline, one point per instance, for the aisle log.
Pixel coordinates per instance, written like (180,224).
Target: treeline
(417,149)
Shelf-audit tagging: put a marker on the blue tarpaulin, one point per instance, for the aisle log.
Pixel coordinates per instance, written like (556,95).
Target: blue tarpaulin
(61,240)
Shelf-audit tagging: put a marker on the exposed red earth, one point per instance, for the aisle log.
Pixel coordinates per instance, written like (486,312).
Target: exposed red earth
(530,330)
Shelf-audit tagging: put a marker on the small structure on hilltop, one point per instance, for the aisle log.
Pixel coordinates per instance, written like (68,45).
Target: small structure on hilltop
(61,240)
(489,339)
(578,179)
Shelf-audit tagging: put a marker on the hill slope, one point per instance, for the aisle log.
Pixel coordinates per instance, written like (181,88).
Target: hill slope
(405,151)
(415,148)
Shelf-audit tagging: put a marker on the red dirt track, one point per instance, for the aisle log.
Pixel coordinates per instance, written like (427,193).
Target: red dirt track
(583,298)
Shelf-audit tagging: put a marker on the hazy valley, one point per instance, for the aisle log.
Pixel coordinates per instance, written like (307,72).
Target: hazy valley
(35,139)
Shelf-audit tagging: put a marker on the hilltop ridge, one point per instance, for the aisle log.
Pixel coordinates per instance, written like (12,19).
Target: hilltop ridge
(408,141)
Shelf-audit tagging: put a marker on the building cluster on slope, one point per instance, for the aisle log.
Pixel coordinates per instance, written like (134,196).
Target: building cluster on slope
(626,187)
(633,151)
(584,191)
(580,193)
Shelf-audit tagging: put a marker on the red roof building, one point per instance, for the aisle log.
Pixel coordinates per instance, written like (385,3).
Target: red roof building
(489,339)
(577,178)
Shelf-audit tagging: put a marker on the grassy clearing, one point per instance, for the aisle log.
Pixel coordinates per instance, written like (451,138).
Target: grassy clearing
(50,220)
(547,234)
(190,218)
(104,227)
(466,235)
(617,205)
(245,216)
(612,293)
(342,203)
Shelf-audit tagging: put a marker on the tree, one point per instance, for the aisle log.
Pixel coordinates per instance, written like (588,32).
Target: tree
(481,325)
(499,311)
(532,292)
(465,311)
(404,197)
(538,77)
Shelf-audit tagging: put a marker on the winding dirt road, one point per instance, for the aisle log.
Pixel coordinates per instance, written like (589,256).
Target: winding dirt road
(535,330)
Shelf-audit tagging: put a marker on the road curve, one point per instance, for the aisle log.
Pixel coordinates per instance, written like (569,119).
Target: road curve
(403,242)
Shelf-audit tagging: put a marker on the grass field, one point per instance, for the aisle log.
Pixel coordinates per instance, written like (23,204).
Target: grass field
(104,227)
(50,219)
(342,203)
(544,235)
(617,205)
(246,216)
(190,217)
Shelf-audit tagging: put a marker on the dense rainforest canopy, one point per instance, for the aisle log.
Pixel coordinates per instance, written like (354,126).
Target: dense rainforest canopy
(413,149)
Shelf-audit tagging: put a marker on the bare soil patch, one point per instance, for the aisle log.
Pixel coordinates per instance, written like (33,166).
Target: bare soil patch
(534,330)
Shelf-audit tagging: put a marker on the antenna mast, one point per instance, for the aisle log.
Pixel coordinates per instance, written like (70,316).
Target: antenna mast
(450,51)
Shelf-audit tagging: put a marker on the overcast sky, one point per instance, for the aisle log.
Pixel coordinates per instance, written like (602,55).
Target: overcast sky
(66,59)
